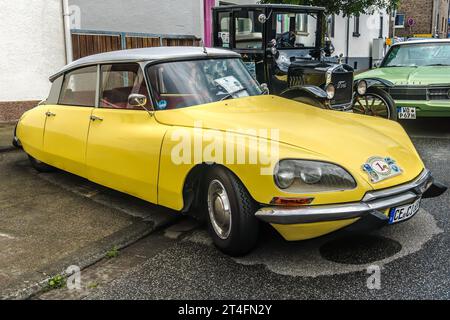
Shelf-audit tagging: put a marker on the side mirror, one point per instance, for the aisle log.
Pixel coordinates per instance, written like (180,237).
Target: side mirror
(262,18)
(265,88)
(137,100)
(377,64)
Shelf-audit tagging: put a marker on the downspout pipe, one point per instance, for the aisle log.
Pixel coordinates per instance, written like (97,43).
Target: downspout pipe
(67,33)
(347,47)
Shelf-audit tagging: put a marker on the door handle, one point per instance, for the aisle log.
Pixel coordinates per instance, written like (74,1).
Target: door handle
(95,118)
(50,114)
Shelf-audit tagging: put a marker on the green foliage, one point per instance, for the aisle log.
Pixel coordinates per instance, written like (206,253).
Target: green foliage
(57,282)
(113,253)
(353,7)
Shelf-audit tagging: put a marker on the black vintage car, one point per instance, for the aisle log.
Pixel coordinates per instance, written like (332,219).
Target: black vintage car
(286,47)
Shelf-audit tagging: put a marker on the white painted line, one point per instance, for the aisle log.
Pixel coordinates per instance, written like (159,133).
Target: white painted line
(7,236)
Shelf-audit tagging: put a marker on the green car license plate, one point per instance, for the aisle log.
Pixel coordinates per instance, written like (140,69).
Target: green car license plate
(403,213)
(407,113)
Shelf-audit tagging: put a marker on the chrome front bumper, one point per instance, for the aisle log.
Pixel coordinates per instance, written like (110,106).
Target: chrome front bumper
(373,201)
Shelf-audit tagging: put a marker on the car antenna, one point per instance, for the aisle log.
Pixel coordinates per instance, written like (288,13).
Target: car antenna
(204,48)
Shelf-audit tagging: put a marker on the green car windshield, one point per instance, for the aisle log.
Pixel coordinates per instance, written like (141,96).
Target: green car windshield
(183,84)
(418,55)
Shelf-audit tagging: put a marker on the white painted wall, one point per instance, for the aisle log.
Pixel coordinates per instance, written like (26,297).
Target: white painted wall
(369,29)
(182,17)
(31,47)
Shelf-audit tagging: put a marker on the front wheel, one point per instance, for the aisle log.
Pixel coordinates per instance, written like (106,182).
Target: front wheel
(376,102)
(231,213)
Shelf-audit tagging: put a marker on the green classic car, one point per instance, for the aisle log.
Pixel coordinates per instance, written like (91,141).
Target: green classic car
(417,74)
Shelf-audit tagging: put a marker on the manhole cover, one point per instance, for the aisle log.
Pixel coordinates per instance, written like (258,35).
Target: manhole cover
(361,249)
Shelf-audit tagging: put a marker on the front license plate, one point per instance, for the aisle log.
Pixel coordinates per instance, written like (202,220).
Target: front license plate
(407,113)
(403,213)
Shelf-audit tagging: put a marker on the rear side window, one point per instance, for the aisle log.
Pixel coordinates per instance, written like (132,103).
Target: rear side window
(118,81)
(79,87)
(55,91)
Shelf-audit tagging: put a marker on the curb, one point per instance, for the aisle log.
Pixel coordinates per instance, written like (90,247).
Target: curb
(7,149)
(121,239)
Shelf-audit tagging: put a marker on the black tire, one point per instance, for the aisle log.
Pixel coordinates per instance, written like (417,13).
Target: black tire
(40,166)
(380,94)
(244,229)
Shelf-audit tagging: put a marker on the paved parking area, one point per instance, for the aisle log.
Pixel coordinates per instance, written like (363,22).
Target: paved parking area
(6,135)
(181,263)
(51,221)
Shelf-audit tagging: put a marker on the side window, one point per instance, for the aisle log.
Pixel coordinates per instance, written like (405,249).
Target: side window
(248,30)
(118,81)
(223,35)
(79,87)
(55,90)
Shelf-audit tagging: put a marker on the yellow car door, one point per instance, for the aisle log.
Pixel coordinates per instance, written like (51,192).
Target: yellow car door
(124,140)
(67,123)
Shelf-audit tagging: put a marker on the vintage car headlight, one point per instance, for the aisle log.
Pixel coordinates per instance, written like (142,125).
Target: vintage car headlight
(285,175)
(362,87)
(305,176)
(330,90)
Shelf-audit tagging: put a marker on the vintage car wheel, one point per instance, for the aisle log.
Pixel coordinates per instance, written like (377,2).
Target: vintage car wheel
(377,103)
(231,213)
(39,165)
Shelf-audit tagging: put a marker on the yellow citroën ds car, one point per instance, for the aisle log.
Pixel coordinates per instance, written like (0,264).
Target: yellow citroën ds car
(190,129)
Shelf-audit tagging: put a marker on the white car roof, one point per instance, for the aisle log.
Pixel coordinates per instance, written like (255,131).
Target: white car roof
(147,54)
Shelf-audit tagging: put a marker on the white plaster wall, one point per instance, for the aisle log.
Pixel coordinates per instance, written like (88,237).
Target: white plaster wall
(361,46)
(31,47)
(184,17)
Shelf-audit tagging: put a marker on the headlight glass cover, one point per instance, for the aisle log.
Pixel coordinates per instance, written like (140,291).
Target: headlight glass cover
(331,91)
(362,87)
(305,176)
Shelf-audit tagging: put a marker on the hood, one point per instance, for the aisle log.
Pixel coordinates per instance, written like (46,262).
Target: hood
(410,75)
(343,138)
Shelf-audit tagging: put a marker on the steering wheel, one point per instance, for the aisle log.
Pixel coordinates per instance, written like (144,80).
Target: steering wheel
(286,40)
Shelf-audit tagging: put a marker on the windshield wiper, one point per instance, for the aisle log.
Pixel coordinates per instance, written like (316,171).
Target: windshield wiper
(399,65)
(437,65)
(231,94)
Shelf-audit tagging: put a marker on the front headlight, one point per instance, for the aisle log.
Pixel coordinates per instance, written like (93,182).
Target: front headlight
(304,176)
(330,90)
(362,87)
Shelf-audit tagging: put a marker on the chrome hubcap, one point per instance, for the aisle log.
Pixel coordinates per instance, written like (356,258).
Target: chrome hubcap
(372,105)
(219,209)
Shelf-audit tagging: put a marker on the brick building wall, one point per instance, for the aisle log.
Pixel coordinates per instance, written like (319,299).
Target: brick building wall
(426,14)
(10,111)
(421,11)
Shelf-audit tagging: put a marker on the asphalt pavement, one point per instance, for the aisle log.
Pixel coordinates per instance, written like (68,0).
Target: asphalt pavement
(405,261)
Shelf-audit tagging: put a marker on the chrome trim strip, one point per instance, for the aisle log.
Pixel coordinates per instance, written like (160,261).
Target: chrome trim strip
(424,177)
(380,200)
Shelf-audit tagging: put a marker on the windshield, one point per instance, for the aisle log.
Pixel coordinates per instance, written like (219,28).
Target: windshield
(188,83)
(418,55)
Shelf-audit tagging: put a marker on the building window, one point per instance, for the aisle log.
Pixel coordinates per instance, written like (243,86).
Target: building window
(356,26)
(301,23)
(399,20)
(330,25)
